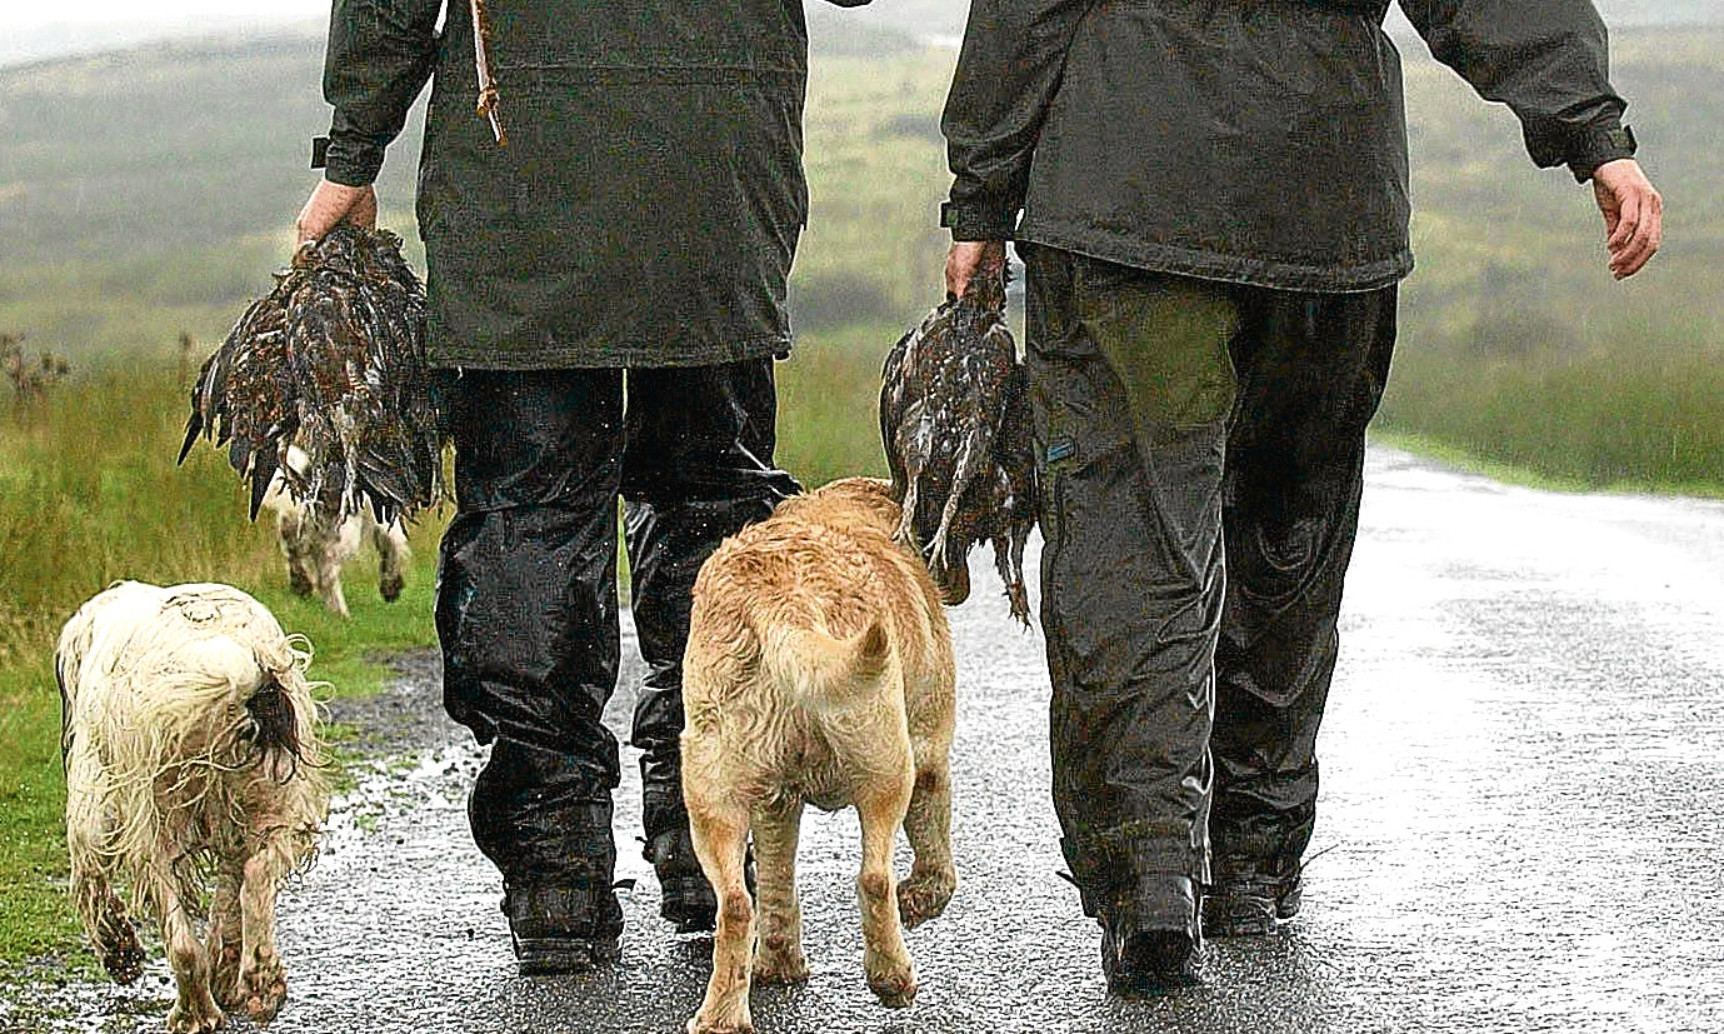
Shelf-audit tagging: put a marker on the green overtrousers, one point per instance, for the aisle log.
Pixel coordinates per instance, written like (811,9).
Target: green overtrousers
(1202,451)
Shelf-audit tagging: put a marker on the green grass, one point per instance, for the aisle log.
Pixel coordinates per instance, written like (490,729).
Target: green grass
(34,918)
(1517,350)
(827,399)
(1574,419)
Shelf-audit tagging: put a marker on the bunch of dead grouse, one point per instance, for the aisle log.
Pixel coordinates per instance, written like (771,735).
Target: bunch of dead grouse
(955,418)
(331,361)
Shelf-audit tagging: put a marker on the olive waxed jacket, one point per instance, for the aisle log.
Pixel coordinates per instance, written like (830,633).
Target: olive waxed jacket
(1252,141)
(647,206)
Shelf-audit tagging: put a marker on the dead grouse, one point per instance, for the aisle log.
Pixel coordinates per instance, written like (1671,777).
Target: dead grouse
(332,361)
(955,420)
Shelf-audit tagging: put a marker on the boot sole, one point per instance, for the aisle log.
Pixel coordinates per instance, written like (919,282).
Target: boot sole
(554,957)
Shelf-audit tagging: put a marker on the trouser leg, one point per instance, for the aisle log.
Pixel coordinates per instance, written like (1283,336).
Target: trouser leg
(698,469)
(527,619)
(1132,387)
(1312,369)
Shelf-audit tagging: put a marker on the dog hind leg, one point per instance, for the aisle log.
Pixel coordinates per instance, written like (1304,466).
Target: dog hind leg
(195,1010)
(890,974)
(103,916)
(225,939)
(262,979)
(292,534)
(928,827)
(720,832)
(392,557)
(329,561)
(779,959)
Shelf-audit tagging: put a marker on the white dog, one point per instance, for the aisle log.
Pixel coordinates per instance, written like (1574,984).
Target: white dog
(191,748)
(819,669)
(316,551)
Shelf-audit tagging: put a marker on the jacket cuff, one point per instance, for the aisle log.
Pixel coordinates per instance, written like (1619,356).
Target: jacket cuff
(349,159)
(977,222)
(1594,147)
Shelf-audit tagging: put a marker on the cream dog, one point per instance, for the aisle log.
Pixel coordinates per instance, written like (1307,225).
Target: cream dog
(819,669)
(190,743)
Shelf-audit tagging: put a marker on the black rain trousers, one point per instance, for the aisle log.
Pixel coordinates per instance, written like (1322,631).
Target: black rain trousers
(527,587)
(1202,447)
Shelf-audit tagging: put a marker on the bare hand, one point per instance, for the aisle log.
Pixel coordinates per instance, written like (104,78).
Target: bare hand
(331,204)
(967,258)
(1633,215)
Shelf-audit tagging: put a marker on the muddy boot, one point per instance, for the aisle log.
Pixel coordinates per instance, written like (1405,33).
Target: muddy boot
(562,929)
(688,902)
(558,868)
(1151,941)
(1140,963)
(1249,898)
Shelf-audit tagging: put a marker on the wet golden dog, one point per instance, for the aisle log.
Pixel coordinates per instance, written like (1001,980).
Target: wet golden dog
(189,737)
(819,670)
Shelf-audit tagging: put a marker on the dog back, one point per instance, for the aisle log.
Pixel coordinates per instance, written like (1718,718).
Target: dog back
(812,621)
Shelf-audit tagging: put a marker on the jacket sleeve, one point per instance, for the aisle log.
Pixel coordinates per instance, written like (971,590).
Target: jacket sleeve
(1008,71)
(1548,60)
(379,56)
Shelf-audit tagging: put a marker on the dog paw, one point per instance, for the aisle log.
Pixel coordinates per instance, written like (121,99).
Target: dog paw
(896,989)
(224,975)
(124,962)
(921,898)
(121,955)
(713,1026)
(786,967)
(195,1021)
(262,992)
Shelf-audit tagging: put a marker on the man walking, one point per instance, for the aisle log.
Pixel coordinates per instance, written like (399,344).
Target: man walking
(635,233)
(1210,199)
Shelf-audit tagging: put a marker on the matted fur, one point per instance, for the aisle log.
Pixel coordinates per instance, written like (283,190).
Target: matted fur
(192,752)
(819,669)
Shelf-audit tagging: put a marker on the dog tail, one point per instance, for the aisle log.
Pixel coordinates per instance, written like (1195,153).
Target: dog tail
(821,666)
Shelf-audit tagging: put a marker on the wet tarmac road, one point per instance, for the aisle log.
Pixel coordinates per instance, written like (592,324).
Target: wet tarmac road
(1521,826)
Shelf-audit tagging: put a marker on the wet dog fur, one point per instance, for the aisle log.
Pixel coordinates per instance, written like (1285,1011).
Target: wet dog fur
(819,669)
(191,749)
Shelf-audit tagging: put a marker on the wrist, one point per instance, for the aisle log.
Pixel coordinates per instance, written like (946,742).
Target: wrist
(970,221)
(1595,147)
(347,159)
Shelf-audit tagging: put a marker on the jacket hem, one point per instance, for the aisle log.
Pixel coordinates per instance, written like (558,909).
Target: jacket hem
(1232,269)
(607,356)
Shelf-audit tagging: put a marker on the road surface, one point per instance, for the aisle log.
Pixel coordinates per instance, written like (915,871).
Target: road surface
(1521,825)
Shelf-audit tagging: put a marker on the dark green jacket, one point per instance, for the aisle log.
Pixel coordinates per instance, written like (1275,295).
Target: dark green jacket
(1253,141)
(648,203)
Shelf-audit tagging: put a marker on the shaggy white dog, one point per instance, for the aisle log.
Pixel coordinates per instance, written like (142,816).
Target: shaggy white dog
(190,741)
(316,551)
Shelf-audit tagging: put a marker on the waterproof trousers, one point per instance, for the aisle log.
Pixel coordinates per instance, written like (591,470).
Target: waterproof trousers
(1202,450)
(527,587)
